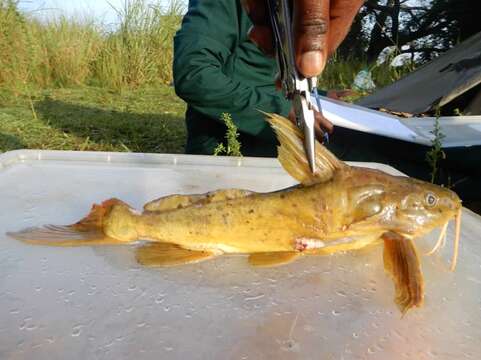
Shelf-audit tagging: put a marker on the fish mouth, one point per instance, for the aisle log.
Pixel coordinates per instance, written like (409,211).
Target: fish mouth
(442,239)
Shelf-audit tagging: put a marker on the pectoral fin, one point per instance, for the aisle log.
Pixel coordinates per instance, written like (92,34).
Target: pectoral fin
(165,254)
(269,259)
(402,262)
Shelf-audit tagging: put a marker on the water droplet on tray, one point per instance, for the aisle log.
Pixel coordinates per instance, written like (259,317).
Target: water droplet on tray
(77,330)
(31,327)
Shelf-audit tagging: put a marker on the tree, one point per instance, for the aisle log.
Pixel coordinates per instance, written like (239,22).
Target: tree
(423,28)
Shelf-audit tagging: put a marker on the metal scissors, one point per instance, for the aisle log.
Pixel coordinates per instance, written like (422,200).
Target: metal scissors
(297,88)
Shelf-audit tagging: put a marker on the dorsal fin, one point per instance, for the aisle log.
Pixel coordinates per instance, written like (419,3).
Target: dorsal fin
(292,156)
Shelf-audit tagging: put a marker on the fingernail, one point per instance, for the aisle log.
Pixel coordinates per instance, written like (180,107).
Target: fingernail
(312,63)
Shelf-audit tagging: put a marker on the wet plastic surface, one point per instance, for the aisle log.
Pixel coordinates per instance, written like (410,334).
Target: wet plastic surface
(97,303)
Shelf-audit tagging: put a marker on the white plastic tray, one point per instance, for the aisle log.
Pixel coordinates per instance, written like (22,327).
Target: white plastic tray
(97,303)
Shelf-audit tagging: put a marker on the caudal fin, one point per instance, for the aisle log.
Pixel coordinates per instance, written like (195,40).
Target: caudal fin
(88,231)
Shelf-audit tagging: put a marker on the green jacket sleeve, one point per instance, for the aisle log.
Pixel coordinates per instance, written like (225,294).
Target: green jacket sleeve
(205,53)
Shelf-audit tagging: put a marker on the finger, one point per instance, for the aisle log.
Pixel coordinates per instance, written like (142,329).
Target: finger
(323,123)
(339,94)
(278,82)
(310,27)
(257,11)
(345,93)
(261,35)
(342,14)
(292,116)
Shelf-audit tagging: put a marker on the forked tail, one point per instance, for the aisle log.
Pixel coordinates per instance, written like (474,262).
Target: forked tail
(88,231)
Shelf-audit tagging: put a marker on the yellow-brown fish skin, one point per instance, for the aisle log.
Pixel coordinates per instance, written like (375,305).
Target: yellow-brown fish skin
(356,204)
(338,208)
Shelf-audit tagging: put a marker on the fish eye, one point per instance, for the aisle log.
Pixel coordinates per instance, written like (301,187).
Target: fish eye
(431,199)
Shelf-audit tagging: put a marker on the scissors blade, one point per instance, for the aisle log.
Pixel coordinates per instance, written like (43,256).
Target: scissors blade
(309,143)
(296,87)
(305,121)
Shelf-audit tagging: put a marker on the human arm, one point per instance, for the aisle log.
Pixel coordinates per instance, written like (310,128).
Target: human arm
(204,54)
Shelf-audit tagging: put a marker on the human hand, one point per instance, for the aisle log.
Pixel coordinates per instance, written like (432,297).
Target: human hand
(341,94)
(321,124)
(319,27)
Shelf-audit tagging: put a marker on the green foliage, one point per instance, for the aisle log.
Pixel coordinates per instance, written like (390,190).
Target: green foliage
(420,29)
(436,153)
(65,51)
(233,145)
(457,112)
(149,119)
(340,73)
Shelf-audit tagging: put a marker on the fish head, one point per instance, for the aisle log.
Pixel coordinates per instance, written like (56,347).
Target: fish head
(413,207)
(382,203)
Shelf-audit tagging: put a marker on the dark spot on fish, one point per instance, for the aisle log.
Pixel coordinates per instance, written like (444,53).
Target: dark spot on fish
(179,206)
(248,222)
(282,196)
(224,218)
(251,211)
(294,205)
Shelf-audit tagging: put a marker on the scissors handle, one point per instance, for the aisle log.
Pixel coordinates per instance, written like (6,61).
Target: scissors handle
(296,88)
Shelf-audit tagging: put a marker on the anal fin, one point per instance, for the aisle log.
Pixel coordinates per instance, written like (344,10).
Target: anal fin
(269,259)
(402,262)
(166,254)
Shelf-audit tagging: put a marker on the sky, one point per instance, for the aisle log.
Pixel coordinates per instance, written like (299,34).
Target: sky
(99,9)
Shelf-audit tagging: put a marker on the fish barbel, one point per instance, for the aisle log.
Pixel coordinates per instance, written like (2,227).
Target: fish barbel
(339,208)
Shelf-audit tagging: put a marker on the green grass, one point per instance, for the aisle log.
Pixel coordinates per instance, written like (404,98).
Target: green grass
(68,84)
(74,51)
(147,119)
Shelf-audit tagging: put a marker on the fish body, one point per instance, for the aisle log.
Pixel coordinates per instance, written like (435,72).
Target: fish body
(339,208)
